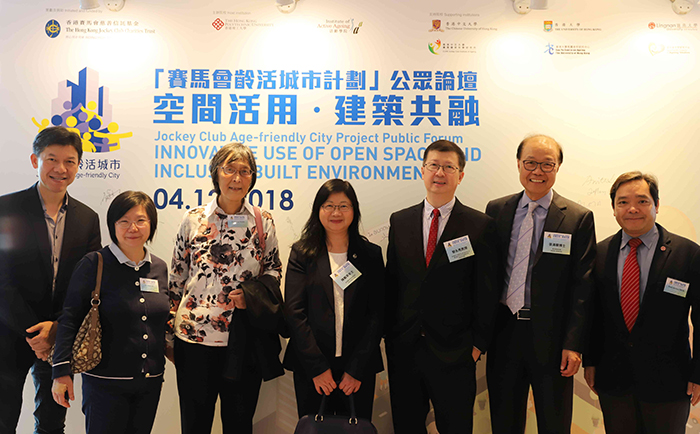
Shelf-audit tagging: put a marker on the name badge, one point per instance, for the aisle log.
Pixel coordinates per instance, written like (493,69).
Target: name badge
(557,243)
(148,285)
(345,275)
(237,221)
(676,287)
(459,248)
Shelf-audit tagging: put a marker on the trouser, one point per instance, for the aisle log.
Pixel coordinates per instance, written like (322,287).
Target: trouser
(628,415)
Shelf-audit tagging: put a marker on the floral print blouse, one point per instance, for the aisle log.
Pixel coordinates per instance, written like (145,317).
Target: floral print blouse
(215,252)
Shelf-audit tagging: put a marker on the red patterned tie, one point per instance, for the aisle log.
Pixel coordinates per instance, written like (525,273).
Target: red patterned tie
(629,288)
(432,237)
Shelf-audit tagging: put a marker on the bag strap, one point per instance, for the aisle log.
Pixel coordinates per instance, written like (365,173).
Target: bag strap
(322,408)
(261,236)
(95,301)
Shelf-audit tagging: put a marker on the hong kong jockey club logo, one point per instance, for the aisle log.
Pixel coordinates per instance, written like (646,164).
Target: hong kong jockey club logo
(84,108)
(434,46)
(218,24)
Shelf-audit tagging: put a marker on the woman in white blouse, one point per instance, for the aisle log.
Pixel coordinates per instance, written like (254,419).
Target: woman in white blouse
(225,300)
(334,306)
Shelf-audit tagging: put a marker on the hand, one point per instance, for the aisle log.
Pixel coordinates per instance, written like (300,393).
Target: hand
(694,392)
(61,385)
(238,298)
(348,384)
(589,375)
(170,354)
(570,362)
(324,383)
(476,353)
(42,342)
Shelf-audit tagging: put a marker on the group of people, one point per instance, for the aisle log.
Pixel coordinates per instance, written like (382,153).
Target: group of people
(524,283)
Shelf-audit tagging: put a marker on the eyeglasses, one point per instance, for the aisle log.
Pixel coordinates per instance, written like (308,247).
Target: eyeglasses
(330,208)
(445,168)
(546,166)
(230,171)
(126,224)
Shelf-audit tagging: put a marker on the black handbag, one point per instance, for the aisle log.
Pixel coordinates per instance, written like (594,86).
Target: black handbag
(320,424)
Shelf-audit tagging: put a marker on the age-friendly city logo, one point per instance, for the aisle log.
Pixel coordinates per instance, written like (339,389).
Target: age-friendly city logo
(52,29)
(434,47)
(84,108)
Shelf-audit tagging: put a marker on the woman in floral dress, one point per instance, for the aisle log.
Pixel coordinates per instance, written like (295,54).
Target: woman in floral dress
(225,300)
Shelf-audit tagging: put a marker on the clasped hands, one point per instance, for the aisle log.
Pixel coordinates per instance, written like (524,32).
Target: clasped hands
(325,384)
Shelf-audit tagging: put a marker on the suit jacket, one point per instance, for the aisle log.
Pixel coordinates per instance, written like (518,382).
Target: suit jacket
(310,313)
(561,285)
(26,273)
(452,304)
(653,361)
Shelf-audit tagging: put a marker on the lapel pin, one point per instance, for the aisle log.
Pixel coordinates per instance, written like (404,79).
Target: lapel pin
(354,256)
(663,248)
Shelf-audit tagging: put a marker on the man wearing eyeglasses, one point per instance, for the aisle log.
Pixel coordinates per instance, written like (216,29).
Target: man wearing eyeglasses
(547,245)
(44,232)
(441,299)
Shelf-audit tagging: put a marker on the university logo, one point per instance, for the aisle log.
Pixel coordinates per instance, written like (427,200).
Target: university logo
(547,26)
(434,46)
(218,24)
(549,49)
(52,28)
(652,25)
(436,26)
(84,108)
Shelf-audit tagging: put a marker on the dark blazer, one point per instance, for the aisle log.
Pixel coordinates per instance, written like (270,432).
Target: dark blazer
(561,285)
(451,303)
(26,273)
(310,313)
(653,361)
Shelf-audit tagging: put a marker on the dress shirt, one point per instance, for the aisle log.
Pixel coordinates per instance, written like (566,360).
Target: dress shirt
(445,212)
(337,261)
(645,254)
(56,229)
(539,216)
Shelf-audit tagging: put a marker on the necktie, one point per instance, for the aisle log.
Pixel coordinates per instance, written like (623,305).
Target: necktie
(432,236)
(629,287)
(515,297)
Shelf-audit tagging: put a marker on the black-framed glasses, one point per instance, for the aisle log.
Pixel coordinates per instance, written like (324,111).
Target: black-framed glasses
(231,171)
(330,207)
(447,168)
(546,166)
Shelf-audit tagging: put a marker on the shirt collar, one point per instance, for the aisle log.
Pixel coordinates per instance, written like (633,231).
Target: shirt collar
(213,206)
(43,205)
(121,257)
(445,210)
(647,239)
(544,201)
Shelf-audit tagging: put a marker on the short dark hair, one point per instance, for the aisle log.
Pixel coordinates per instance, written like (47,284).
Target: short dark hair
(636,175)
(123,203)
(447,146)
(535,136)
(57,136)
(232,152)
(313,236)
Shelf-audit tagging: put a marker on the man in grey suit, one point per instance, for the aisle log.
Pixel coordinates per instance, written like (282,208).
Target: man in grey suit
(547,246)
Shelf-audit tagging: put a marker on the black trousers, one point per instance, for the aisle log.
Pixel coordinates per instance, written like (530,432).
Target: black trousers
(200,382)
(511,368)
(16,360)
(417,376)
(308,400)
(628,415)
(120,406)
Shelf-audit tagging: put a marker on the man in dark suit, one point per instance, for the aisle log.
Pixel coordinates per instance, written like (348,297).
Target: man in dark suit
(646,280)
(43,234)
(547,245)
(441,299)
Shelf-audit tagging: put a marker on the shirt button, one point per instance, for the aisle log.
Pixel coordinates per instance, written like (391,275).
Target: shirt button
(144,355)
(144,318)
(142,300)
(136,268)
(136,283)
(145,337)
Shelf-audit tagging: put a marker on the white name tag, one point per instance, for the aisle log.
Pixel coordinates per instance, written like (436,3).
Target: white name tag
(237,221)
(345,275)
(676,287)
(557,243)
(148,285)
(459,248)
